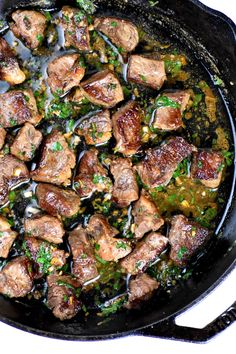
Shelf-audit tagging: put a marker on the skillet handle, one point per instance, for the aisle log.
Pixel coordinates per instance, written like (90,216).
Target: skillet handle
(169,330)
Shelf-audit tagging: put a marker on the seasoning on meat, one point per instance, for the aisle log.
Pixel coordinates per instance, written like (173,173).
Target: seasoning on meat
(9,67)
(158,166)
(103,89)
(46,257)
(18,107)
(96,128)
(108,247)
(57,201)
(125,188)
(63,293)
(26,142)
(65,72)
(7,237)
(146,71)
(92,176)
(170,107)
(3,134)
(16,277)
(207,167)
(12,173)
(141,288)
(122,33)
(57,161)
(44,227)
(146,216)
(30,26)
(127,128)
(84,261)
(145,252)
(75,26)
(186,238)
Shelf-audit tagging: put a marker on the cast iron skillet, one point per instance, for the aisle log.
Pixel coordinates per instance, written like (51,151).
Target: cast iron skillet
(211,37)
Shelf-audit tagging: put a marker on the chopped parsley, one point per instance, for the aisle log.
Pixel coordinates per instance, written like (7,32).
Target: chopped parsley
(86,5)
(98,179)
(56,146)
(114,24)
(75,290)
(39,38)
(113,306)
(164,101)
(44,258)
(173,67)
(143,78)
(121,244)
(182,251)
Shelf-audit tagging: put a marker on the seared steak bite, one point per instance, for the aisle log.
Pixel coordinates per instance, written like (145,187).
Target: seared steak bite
(96,128)
(57,161)
(146,216)
(45,227)
(108,247)
(127,128)
(170,107)
(99,226)
(75,27)
(30,26)
(57,201)
(91,176)
(146,71)
(122,33)
(125,188)
(7,237)
(16,277)
(63,293)
(45,255)
(3,134)
(141,288)
(84,262)
(145,252)
(103,88)
(159,164)
(207,167)
(186,238)
(12,172)
(9,67)
(18,107)
(65,72)
(26,142)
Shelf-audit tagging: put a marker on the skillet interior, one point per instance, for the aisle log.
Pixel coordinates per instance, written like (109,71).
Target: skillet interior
(192,25)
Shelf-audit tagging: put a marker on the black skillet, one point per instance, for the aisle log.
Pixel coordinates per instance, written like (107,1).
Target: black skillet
(210,37)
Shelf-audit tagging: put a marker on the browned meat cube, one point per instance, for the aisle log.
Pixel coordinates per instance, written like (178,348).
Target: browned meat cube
(57,201)
(127,128)
(207,167)
(7,237)
(12,173)
(84,262)
(158,166)
(18,107)
(3,134)
(146,216)
(171,105)
(30,26)
(107,247)
(103,88)
(9,67)
(92,176)
(65,72)
(45,227)
(75,27)
(122,33)
(186,238)
(141,288)
(57,161)
(63,293)
(125,188)
(112,249)
(16,277)
(45,255)
(146,71)
(99,226)
(26,142)
(145,252)
(96,128)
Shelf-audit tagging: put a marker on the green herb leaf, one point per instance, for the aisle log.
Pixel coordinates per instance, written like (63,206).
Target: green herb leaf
(164,101)
(121,244)
(57,147)
(100,260)
(113,306)
(86,5)
(182,251)
(39,38)
(114,24)
(173,67)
